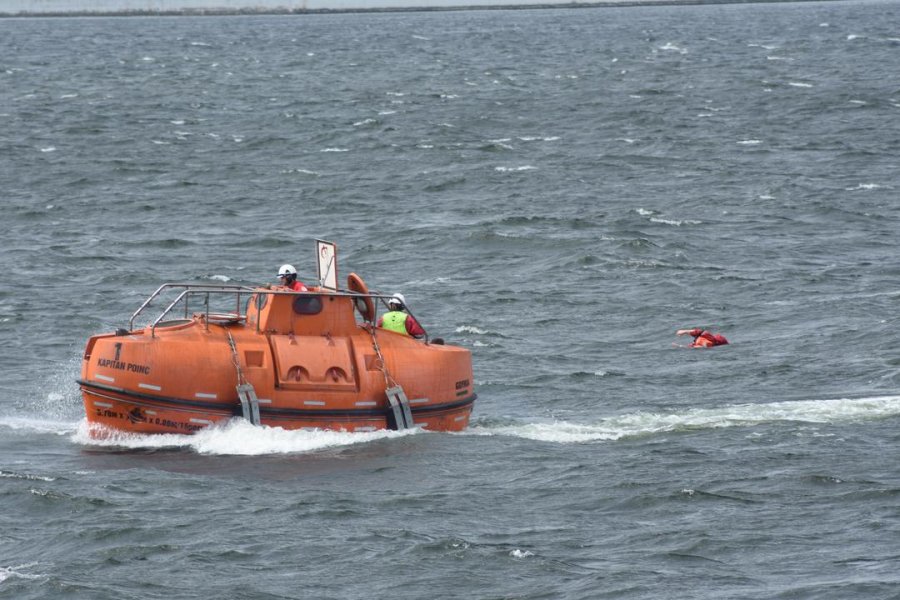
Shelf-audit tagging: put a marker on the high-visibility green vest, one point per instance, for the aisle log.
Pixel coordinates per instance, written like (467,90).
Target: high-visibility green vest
(395,321)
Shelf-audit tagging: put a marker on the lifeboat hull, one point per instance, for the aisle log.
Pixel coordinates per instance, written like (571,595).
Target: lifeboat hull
(108,410)
(309,365)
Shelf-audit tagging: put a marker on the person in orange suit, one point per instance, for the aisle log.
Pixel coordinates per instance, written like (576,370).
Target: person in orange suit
(703,338)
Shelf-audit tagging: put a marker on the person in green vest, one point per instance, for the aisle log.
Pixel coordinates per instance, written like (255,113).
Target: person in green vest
(398,320)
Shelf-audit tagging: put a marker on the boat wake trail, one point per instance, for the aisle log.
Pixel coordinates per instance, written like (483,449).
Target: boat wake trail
(641,424)
(34,425)
(236,437)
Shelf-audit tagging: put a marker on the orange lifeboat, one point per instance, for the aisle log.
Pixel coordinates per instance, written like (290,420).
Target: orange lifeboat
(294,360)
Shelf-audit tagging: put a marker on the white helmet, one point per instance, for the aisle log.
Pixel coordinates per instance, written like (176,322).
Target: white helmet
(287,270)
(397,299)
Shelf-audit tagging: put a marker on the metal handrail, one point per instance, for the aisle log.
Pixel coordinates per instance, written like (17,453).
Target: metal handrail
(191,290)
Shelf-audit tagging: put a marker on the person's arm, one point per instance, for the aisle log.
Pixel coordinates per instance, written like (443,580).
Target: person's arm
(691,332)
(413,328)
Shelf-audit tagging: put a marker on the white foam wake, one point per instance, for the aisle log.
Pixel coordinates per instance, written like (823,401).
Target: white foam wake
(33,425)
(741,415)
(237,437)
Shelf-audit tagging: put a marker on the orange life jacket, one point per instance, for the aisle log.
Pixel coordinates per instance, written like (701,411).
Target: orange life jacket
(706,339)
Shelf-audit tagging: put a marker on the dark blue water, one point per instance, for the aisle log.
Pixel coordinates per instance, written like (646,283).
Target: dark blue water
(556,190)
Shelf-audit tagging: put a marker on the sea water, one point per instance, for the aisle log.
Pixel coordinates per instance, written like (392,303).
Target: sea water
(557,191)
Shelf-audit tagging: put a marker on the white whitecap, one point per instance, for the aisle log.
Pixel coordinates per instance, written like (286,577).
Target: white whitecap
(26,476)
(334,150)
(675,222)
(470,329)
(49,149)
(514,169)
(799,84)
(302,172)
(534,138)
(18,572)
(750,142)
(670,47)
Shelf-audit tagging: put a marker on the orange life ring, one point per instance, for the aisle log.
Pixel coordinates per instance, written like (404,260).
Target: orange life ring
(363,303)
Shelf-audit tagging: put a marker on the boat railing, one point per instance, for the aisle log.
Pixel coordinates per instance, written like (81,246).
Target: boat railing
(188,292)
(206,292)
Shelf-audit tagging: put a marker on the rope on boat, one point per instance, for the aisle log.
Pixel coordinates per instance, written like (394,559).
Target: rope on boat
(245,391)
(388,379)
(399,403)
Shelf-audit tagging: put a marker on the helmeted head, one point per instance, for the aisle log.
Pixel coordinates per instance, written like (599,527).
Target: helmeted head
(288,273)
(397,301)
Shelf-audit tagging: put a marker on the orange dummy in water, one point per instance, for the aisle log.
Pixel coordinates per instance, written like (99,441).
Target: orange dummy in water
(703,338)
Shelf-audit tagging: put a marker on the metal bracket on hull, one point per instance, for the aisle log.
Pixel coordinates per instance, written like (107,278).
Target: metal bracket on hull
(249,403)
(399,408)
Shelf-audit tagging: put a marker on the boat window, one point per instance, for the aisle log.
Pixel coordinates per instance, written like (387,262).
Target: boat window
(308,305)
